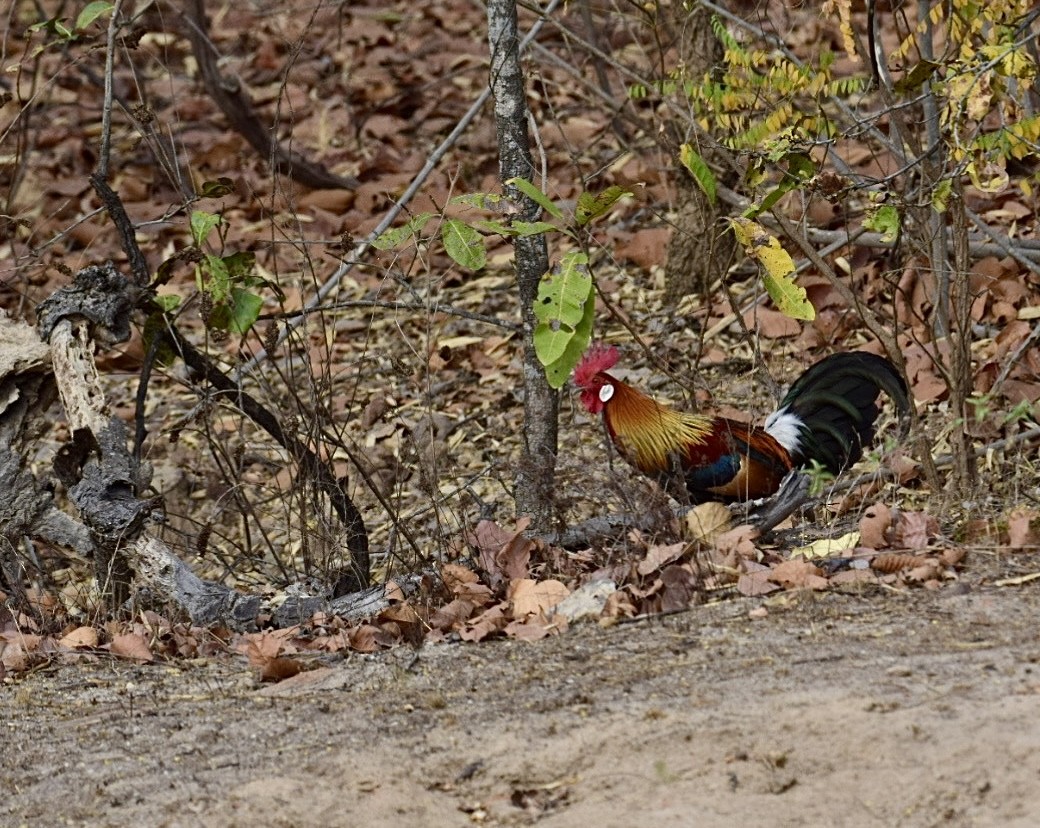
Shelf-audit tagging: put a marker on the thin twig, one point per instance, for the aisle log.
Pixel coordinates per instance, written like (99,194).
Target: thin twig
(399,205)
(434,307)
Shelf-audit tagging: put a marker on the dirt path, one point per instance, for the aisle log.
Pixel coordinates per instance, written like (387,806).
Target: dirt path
(877,709)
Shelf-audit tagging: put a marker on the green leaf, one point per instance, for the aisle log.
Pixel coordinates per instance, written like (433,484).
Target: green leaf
(700,171)
(91,12)
(940,197)
(558,372)
(167,301)
(245,309)
(156,326)
(911,82)
(591,207)
(215,189)
(214,278)
(240,265)
(395,236)
(464,244)
(537,196)
(800,169)
(789,298)
(202,224)
(495,228)
(482,201)
(884,220)
(563,294)
(533,228)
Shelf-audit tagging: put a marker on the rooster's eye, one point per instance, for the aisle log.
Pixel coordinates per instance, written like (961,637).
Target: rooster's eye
(606,391)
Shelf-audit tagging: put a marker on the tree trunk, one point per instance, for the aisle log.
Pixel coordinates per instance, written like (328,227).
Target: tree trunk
(535,477)
(700,249)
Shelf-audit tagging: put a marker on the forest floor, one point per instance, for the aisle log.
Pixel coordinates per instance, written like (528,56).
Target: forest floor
(861,704)
(865,708)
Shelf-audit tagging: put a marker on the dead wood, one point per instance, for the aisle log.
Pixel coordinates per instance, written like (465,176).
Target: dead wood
(228,94)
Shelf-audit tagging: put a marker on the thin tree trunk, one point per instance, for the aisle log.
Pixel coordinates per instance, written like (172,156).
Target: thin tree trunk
(535,478)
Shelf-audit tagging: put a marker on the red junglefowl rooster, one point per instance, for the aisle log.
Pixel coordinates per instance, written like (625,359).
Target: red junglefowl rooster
(827,416)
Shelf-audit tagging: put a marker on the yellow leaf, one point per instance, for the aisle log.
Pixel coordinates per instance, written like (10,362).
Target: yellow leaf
(825,547)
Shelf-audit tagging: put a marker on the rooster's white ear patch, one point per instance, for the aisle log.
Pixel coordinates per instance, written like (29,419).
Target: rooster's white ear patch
(606,391)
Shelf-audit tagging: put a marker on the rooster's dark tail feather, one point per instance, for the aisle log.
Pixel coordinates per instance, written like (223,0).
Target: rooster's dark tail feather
(836,402)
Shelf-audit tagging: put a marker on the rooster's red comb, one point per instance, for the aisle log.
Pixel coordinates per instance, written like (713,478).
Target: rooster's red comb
(598,357)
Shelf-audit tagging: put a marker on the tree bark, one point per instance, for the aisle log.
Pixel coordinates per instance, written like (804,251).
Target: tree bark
(535,477)
(700,249)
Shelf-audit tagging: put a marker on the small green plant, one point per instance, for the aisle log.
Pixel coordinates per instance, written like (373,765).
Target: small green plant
(227,282)
(566,295)
(61,33)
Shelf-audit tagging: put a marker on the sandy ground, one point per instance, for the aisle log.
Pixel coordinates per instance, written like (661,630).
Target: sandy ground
(873,708)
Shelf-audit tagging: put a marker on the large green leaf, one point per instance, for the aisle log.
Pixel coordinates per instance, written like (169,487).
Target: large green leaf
(536,195)
(202,224)
(559,371)
(464,244)
(563,296)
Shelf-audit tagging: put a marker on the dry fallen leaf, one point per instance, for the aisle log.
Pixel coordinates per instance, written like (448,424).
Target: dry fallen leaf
(706,521)
(80,637)
(531,597)
(131,645)
(873,526)
(659,556)
(826,547)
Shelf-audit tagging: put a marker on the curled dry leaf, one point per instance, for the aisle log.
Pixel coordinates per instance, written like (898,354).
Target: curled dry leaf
(874,525)
(915,530)
(952,555)
(892,562)
(735,545)
(928,570)
(1023,528)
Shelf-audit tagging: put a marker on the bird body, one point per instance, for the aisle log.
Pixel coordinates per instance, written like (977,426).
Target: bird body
(827,417)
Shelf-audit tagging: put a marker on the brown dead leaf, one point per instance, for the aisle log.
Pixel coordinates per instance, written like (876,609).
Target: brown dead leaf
(755,580)
(534,629)
(706,521)
(873,526)
(277,669)
(531,597)
(771,324)
(679,585)
(131,645)
(1023,528)
(490,621)
(737,544)
(658,556)
(915,530)
(798,575)
(452,615)
(368,638)
(80,637)
(853,576)
(503,555)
